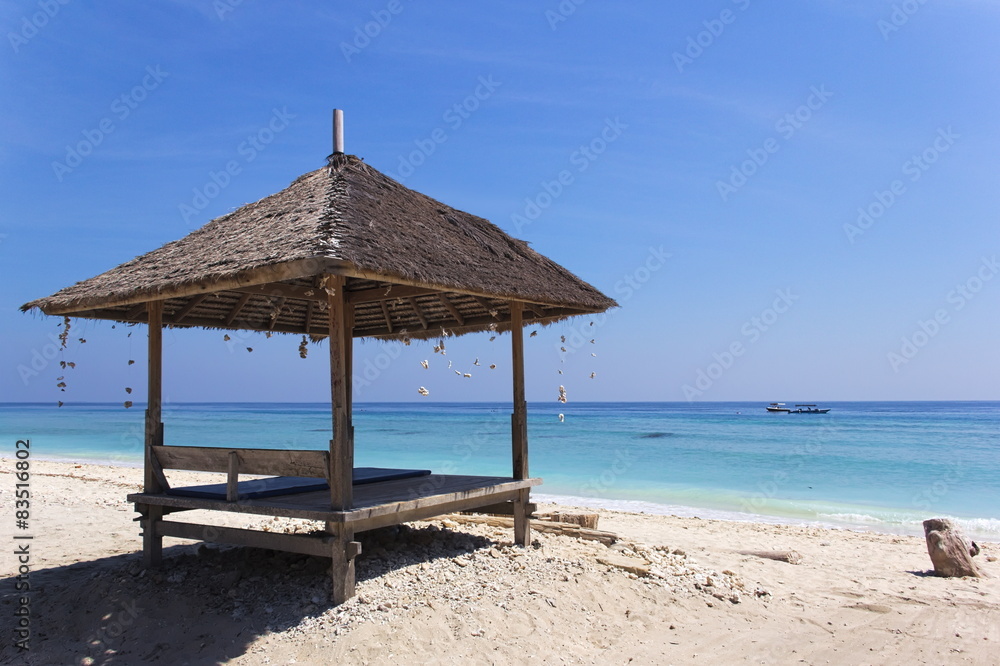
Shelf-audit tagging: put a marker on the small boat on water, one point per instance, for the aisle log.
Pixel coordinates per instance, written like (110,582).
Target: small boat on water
(808,409)
(779,408)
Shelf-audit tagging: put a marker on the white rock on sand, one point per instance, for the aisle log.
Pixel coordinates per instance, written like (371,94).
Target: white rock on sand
(673,590)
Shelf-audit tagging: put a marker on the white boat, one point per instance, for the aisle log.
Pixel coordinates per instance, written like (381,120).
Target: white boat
(778,407)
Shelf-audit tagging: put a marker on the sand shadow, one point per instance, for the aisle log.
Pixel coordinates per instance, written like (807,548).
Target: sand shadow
(206,605)
(929,573)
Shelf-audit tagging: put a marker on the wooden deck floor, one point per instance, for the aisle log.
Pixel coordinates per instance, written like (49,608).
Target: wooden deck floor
(375,504)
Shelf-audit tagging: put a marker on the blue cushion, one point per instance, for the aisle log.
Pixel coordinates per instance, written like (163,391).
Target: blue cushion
(289,485)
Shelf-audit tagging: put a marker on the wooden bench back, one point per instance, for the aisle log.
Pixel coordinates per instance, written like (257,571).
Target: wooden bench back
(277,462)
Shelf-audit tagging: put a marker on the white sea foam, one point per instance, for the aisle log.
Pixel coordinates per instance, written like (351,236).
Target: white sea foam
(652,508)
(889,522)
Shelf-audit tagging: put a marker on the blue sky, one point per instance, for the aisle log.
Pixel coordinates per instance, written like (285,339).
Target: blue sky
(792,202)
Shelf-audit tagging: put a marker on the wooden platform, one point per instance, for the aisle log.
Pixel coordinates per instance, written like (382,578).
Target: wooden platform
(375,505)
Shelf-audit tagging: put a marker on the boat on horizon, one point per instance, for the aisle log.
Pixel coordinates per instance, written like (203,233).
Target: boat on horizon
(808,409)
(780,408)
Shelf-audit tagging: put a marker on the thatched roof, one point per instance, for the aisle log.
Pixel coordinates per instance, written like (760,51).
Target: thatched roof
(413,266)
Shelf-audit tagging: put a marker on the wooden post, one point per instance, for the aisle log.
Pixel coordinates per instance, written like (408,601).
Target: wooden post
(349,361)
(152,545)
(519,424)
(341,453)
(343,550)
(342,445)
(349,380)
(154,393)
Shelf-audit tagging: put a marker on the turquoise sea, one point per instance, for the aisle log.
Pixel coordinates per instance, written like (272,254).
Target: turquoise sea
(883,466)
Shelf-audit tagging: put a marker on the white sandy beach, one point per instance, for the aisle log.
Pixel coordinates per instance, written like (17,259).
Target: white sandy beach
(440,592)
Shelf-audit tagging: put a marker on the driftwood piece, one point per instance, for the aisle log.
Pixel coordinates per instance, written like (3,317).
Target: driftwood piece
(564,529)
(588,520)
(629,564)
(790,556)
(950,552)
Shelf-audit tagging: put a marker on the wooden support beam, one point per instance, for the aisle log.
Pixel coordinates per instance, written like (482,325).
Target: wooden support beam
(501,509)
(389,293)
(388,317)
(152,540)
(349,366)
(284,290)
(152,544)
(475,323)
(420,313)
(452,309)
(522,519)
(233,477)
(154,392)
(261,323)
(292,543)
(157,468)
(519,438)
(535,310)
(343,550)
(379,504)
(310,309)
(235,312)
(266,275)
(188,308)
(519,425)
(276,313)
(563,529)
(341,450)
(485,305)
(279,462)
(134,312)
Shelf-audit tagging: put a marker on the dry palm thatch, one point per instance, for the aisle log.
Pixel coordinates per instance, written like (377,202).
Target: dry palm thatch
(414,266)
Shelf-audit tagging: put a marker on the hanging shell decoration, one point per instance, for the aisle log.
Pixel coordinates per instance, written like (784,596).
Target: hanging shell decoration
(64,334)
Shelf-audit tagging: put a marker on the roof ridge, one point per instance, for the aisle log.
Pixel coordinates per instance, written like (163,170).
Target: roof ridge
(334,216)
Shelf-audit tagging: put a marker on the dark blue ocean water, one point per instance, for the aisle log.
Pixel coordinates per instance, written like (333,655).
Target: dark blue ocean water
(880,465)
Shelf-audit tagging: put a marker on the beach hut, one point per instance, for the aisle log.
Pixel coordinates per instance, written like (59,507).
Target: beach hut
(344,252)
